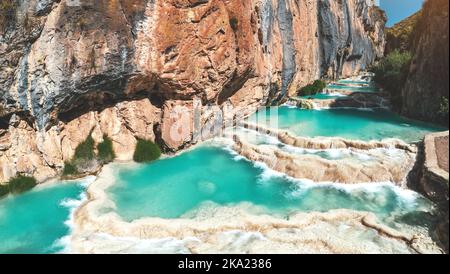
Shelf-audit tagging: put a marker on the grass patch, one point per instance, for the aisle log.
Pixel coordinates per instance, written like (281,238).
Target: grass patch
(4,190)
(85,150)
(314,88)
(105,150)
(146,151)
(443,111)
(7,13)
(85,159)
(21,184)
(391,73)
(70,169)
(234,23)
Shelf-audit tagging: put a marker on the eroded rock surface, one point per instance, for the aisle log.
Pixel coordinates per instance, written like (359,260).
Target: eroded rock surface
(83,62)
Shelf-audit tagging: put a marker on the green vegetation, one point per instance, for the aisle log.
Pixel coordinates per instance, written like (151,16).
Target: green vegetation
(443,111)
(391,73)
(85,150)
(401,35)
(85,157)
(7,13)
(4,190)
(146,151)
(105,150)
(312,89)
(18,185)
(234,23)
(21,184)
(69,169)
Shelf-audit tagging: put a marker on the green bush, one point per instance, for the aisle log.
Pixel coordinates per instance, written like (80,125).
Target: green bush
(7,13)
(69,169)
(312,89)
(391,74)
(84,153)
(21,184)
(85,150)
(146,151)
(234,23)
(105,150)
(4,190)
(443,111)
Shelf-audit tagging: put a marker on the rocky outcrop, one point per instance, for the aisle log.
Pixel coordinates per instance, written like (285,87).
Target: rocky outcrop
(43,153)
(401,36)
(433,180)
(354,100)
(343,48)
(328,142)
(311,167)
(425,94)
(65,61)
(241,228)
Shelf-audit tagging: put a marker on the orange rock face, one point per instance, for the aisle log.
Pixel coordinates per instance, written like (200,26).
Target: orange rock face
(122,66)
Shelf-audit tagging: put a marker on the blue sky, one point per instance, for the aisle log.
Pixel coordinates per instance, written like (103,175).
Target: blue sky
(397,10)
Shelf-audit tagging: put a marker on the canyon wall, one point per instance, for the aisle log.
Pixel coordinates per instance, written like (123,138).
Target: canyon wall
(425,95)
(144,68)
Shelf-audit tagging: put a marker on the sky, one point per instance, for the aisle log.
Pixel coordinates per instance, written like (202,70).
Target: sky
(397,10)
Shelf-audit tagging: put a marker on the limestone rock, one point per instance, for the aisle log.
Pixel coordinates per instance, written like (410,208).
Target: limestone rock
(120,67)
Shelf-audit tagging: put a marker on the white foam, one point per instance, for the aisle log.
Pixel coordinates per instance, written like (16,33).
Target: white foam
(73,205)
(408,197)
(132,245)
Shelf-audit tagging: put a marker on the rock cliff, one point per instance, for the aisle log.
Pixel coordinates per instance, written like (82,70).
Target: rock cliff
(425,95)
(138,68)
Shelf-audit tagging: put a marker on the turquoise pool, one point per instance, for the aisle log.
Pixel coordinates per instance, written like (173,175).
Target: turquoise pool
(212,174)
(34,222)
(355,82)
(323,96)
(347,123)
(353,88)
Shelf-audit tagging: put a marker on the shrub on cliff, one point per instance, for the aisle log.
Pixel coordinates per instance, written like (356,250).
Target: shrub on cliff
(105,150)
(85,150)
(7,13)
(21,184)
(443,111)
(316,87)
(4,190)
(146,151)
(391,74)
(234,23)
(84,158)
(69,169)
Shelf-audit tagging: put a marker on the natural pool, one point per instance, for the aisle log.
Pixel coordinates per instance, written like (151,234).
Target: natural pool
(213,174)
(355,82)
(354,124)
(35,222)
(324,96)
(353,88)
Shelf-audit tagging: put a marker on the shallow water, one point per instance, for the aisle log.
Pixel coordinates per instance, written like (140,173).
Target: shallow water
(212,174)
(355,82)
(323,96)
(353,88)
(259,139)
(354,124)
(35,222)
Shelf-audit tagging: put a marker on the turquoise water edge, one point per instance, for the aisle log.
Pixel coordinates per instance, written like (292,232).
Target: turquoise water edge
(155,190)
(35,222)
(355,124)
(176,187)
